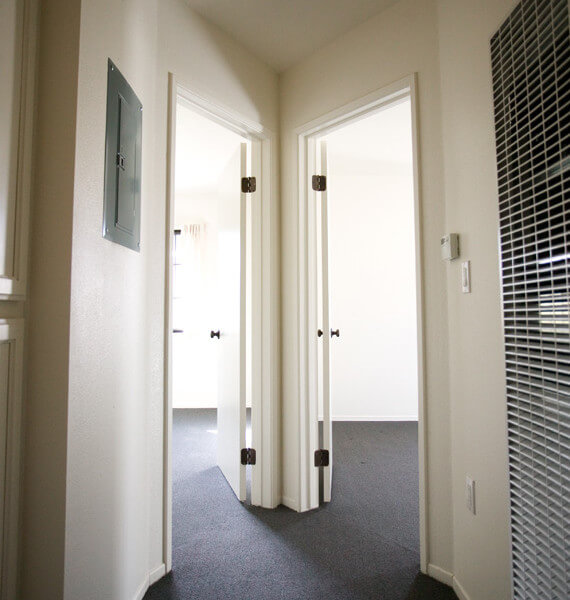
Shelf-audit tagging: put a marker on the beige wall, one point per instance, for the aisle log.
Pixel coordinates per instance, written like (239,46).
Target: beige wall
(397,42)
(96,350)
(49,303)
(476,369)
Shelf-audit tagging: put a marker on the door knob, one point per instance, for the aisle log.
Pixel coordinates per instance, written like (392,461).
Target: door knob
(214,334)
(335,332)
(320,332)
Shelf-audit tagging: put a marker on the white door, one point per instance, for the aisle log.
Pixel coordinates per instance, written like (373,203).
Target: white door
(231,323)
(327,332)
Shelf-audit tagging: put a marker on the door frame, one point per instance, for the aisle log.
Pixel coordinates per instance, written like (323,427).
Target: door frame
(307,392)
(265,350)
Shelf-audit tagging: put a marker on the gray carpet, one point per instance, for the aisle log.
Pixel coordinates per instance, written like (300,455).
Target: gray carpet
(363,545)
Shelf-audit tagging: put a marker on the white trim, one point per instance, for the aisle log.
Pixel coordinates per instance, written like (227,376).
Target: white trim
(13,286)
(449,579)
(362,107)
(156,574)
(12,332)
(373,102)
(290,503)
(167,414)
(151,578)
(422,420)
(460,590)
(266,366)
(220,113)
(440,574)
(142,589)
(365,418)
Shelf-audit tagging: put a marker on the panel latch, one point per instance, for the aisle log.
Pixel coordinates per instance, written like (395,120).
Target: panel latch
(319,183)
(248,185)
(247,456)
(321,458)
(121,161)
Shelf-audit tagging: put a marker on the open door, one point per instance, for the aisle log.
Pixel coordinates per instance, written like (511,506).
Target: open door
(231,332)
(327,332)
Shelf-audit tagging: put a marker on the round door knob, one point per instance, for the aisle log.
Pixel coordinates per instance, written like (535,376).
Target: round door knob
(320,332)
(214,334)
(335,332)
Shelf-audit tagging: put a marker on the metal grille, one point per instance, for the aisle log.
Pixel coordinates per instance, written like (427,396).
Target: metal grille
(531,86)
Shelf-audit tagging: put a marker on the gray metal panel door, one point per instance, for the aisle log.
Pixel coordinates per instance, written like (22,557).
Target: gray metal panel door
(121,219)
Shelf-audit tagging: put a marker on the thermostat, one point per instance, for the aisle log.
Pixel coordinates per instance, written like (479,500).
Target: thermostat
(449,246)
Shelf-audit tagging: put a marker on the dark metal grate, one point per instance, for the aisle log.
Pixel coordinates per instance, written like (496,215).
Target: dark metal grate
(531,86)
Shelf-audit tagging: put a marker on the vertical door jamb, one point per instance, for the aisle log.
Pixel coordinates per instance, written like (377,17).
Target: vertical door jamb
(256,199)
(169,244)
(326,327)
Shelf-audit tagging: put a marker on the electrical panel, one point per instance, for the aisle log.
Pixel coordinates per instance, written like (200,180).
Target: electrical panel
(121,217)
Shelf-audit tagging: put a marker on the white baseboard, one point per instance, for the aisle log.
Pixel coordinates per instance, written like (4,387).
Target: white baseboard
(449,579)
(373,418)
(440,574)
(156,574)
(152,577)
(142,590)
(458,589)
(290,503)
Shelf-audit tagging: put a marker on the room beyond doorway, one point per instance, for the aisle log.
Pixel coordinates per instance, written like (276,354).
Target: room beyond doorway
(207,165)
(372,269)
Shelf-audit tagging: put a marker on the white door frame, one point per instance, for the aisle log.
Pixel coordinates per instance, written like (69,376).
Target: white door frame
(308,430)
(265,356)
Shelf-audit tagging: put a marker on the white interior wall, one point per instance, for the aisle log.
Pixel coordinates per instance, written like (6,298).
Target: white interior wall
(95,418)
(399,41)
(372,268)
(477,367)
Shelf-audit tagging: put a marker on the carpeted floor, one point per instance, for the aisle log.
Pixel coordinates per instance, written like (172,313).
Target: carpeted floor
(363,545)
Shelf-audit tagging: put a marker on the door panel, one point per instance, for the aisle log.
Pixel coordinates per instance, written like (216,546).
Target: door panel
(326,323)
(231,323)
(254,324)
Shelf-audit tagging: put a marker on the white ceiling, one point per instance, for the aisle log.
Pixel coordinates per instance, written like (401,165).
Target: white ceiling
(282,32)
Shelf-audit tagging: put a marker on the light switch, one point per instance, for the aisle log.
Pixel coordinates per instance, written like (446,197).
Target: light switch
(466,277)
(470,494)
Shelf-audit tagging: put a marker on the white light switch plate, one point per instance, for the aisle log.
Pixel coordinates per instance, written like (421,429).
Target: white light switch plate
(466,277)
(470,494)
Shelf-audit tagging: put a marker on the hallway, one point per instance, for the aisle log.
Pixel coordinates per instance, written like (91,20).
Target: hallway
(363,545)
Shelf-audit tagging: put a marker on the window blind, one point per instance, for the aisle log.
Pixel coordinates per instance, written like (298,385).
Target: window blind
(530,56)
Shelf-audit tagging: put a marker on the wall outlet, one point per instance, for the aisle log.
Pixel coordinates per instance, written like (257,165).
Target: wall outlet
(470,494)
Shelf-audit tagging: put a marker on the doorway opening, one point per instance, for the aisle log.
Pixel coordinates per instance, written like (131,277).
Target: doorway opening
(212,289)
(368,350)
(221,355)
(362,328)
(211,286)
